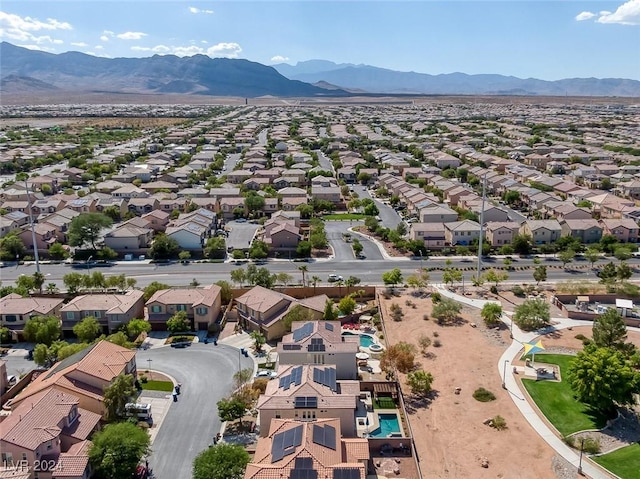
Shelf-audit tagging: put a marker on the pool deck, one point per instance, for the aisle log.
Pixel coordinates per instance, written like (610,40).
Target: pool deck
(371,418)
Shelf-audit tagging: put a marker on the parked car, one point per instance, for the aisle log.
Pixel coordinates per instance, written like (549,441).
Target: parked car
(265,373)
(335,277)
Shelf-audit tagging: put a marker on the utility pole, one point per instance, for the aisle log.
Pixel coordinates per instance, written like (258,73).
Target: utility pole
(33,231)
(484,197)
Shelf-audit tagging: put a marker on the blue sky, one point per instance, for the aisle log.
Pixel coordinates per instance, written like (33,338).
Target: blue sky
(548,39)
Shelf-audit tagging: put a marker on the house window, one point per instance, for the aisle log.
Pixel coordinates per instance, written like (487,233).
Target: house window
(201,311)
(49,445)
(70,315)
(181,307)
(277,415)
(96,314)
(24,456)
(7,458)
(11,318)
(156,308)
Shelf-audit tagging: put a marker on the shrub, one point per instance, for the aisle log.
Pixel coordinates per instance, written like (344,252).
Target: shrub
(425,317)
(499,423)
(483,395)
(517,290)
(381,336)
(494,289)
(436,334)
(144,379)
(396,312)
(436,297)
(437,343)
(591,445)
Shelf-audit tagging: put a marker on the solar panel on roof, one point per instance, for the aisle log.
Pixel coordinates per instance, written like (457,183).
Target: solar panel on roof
(303,474)
(346,473)
(304,463)
(302,332)
(328,326)
(325,436)
(330,378)
(296,375)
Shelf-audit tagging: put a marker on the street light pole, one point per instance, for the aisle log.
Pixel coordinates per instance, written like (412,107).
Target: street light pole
(149,364)
(504,374)
(511,328)
(580,462)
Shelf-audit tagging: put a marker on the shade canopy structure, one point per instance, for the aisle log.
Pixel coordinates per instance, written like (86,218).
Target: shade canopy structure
(362,356)
(533,347)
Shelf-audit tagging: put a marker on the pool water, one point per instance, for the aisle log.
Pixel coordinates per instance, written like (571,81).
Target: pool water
(389,424)
(365,339)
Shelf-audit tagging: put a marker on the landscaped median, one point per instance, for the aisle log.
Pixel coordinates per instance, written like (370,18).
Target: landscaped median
(623,462)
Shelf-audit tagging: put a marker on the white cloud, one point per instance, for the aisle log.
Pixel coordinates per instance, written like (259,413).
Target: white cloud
(98,47)
(79,44)
(626,14)
(156,49)
(131,35)
(228,50)
(279,59)
(17,28)
(585,16)
(104,38)
(196,10)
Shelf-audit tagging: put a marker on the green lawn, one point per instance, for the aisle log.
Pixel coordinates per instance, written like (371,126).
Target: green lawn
(384,402)
(624,462)
(556,401)
(344,216)
(157,385)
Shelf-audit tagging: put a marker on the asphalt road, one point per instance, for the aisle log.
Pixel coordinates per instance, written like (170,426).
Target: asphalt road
(240,234)
(230,163)
(325,161)
(206,374)
(343,250)
(369,270)
(388,216)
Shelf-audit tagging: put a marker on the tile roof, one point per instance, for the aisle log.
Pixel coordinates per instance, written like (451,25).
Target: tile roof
(74,462)
(111,303)
(15,304)
(192,296)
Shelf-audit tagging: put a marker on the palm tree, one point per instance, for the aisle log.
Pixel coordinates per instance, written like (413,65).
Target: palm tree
(38,280)
(314,281)
(303,269)
(52,288)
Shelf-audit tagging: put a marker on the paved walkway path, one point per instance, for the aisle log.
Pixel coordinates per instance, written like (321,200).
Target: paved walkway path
(513,387)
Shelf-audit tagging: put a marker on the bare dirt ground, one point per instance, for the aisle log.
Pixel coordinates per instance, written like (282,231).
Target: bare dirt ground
(450,436)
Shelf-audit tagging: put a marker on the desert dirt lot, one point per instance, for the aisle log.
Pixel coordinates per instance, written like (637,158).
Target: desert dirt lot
(450,436)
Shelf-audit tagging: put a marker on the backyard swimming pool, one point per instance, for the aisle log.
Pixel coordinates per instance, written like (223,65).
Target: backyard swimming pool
(366,340)
(389,424)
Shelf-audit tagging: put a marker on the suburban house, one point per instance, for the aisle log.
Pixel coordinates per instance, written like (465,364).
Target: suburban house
(283,237)
(461,232)
(129,238)
(431,233)
(190,236)
(15,311)
(262,309)
(111,310)
(587,231)
(202,305)
(542,231)
(309,392)
(320,342)
(624,230)
(330,193)
(500,233)
(311,449)
(437,213)
(45,236)
(83,375)
(48,426)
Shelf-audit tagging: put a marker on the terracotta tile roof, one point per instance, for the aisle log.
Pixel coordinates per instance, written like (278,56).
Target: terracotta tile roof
(74,462)
(42,417)
(16,304)
(323,459)
(262,299)
(192,296)
(111,303)
(332,339)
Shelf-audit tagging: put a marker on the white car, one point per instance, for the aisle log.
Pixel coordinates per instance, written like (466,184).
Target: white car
(264,373)
(335,277)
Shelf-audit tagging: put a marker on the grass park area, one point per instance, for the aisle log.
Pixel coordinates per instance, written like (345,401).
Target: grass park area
(151,385)
(344,216)
(556,400)
(625,462)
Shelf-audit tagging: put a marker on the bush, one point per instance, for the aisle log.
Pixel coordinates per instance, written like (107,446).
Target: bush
(499,423)
(437,343)
(425,317)
(483,395)
(494,289)
(436,334)
(144,379)
(436,297)
(517,290)
(590,444)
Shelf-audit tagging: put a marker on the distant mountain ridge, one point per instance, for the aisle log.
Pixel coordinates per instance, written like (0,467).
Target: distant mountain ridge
(199,74)
(380,80)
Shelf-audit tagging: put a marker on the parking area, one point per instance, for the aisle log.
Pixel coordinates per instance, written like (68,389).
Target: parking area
(240,234)
(16,359)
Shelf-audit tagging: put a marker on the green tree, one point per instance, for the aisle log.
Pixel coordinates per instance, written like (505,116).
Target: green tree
(116,450)
(608,274)
(592,255)
(136,327)
(73,282)
(231,409)
(11,247)
(258,250)
(494,276)
(603,377)
(608,243)
(87,330)
(152,288)
(347,305)
(420,382)
(116,395)
(303,250)
(119,338)
(42,329)
(609,329)
(226,293)
(295,314)
(566,256)
(222,461)
(67,350)
(491,313)
(392,277)
(260,277)
(107,254)
(184,255)
(357,247)
(238,276)
(258,340)
(164,247)
(254,202)
(451,275)
(540,274)
(330,313)
(215,248)
(446,310)
(522,244)
(86,228)
(42,356)
(624,272)
(58,252)
(532,314)
(304,270)
(178,322)
(283,278)
(26,283)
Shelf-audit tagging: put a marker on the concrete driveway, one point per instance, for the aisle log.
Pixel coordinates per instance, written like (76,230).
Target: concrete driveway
(240,234)
(206,374)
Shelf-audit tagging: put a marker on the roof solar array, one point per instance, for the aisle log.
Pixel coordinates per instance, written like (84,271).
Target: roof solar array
(328,326)
(326,377)
(303,332)
(295,377)
(346,473)
(301,402)
(303,474)
(291,347)
(316,345)
(304,463)
(285,443)
(325,436)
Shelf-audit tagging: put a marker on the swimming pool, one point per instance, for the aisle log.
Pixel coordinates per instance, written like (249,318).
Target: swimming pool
(366,340)
(389,424)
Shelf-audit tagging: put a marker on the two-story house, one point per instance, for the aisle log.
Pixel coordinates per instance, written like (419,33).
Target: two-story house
(15,311)
(202,306)
(461,232)
(500,233)
(542,231)
(587,231)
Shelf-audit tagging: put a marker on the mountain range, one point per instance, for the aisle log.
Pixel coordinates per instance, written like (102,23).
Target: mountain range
(380,80)
(23,71)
